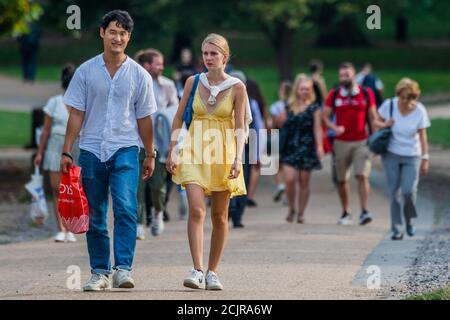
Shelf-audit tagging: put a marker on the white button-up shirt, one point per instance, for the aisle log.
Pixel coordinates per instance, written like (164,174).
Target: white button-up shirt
(111,106)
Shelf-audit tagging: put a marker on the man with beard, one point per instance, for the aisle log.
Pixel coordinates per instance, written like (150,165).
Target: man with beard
(353,106)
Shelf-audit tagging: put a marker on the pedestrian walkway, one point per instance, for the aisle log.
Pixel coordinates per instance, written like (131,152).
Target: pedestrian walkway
(268,259)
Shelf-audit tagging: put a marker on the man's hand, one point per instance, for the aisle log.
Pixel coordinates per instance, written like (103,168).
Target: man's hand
(148,166)
(65,164)
(339,130)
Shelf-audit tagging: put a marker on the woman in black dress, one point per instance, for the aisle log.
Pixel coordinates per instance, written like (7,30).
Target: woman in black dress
(301,146)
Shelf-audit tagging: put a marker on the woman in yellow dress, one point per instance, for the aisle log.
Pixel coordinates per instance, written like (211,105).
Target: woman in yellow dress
(209,162)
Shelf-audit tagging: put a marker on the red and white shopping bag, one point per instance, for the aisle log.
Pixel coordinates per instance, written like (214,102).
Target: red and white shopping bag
(72,204)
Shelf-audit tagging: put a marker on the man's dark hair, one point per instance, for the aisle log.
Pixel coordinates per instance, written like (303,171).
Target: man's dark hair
(315,65)
(67,73)
(347,65)
(122,18)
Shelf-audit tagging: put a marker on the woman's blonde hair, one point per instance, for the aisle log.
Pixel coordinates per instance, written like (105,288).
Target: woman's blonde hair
(408,85)
(293,99)
(220,42)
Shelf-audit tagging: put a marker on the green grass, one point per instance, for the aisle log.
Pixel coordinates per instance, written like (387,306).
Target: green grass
(431,81)
(439,132)
(15,129)
(441,294)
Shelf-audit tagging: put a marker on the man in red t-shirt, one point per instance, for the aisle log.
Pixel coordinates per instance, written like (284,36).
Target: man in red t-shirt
(352,106)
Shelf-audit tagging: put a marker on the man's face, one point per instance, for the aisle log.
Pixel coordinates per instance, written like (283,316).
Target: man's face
(346,76)
(115,38)
(155,68)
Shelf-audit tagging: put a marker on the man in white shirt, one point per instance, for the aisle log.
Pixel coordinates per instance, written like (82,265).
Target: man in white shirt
(112,101)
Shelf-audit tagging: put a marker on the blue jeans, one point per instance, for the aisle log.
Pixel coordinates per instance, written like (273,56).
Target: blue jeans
(402,176)
(119,174)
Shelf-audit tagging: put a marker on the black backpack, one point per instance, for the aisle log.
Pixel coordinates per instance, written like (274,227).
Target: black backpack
(370,81)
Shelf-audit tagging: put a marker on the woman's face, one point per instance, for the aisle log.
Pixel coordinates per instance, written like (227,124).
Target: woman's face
(406,98)
(212,57)
(304,90)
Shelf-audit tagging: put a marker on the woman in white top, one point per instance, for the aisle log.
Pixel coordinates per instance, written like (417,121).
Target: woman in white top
(407,152)
(51,145)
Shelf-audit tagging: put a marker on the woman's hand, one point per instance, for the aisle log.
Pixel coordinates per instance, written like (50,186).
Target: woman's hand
(389,123)
(38,160)
(235,169)
(171,161)
(320,153)
(424,167)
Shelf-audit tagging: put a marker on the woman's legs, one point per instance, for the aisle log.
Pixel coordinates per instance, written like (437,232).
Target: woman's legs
(304,178)
(290,179)
(197,212)
(219,218)
(55,180)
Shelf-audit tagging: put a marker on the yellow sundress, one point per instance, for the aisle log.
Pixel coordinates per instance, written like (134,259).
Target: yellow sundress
(209,149)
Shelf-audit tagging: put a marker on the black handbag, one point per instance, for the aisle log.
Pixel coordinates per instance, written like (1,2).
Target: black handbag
(378,142)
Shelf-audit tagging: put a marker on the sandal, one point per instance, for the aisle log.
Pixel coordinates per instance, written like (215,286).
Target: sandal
(290,216)
(300,219)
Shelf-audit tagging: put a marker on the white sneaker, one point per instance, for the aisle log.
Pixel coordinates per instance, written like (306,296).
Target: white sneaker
(140,232)
(346,219)
(70,237)
(194,279)
(97,282)
(60,237)
(122,279)
(157,224)
(212,281)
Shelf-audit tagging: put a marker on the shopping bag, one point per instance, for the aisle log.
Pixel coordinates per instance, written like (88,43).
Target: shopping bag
(38,207)
(72,202)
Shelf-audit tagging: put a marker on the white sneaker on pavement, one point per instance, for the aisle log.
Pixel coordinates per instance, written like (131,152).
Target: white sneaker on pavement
(97,282)
(60,237)
(194,280)
(122,279)
(140,232)
(70,237)
(212,281)
(158,224)
(345,219)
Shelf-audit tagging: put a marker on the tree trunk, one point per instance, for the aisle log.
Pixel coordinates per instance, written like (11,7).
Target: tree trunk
(282,42)
(401,28)
(284,54)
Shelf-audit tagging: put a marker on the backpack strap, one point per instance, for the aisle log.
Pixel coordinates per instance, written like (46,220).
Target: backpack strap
(333,100)
(187,115)
(391,107)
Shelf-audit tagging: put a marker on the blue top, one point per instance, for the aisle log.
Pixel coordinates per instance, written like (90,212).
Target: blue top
(111,106)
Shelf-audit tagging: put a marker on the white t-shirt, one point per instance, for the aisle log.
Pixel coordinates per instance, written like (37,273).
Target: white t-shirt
(405,137)
(56,109)
(277,108)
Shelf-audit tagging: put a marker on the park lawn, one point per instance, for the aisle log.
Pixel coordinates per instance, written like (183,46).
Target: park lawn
(439,132)
(15,129)
(441,294)
(431,81)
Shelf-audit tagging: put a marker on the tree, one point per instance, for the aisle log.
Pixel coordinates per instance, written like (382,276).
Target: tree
(279,20)
(16,15)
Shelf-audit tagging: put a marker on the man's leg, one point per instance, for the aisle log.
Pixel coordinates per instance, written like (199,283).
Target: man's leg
(141,190)
(124,171)
(343,159)
(95,184)
(158,190)
(362,166)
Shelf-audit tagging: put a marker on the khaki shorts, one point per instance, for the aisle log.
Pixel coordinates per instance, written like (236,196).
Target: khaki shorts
(348,153)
